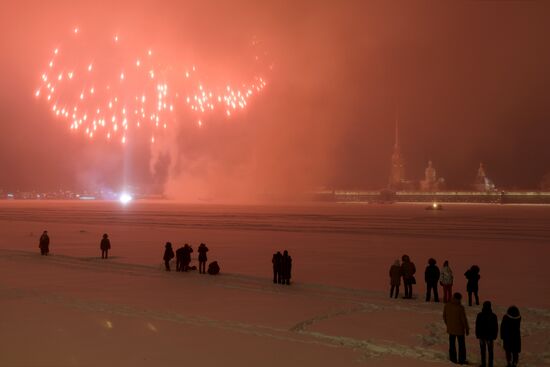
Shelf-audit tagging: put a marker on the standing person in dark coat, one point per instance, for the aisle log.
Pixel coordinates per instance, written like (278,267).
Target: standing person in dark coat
(44,244)
(277,261)
(456,321)
(431,276)
(202,250)
(395,278)
(408,270)
(446,280)
(286,265)
(180,254)
(105,246)
(186,256)
(168,255)
(486,332)
(473,283)
(510,333)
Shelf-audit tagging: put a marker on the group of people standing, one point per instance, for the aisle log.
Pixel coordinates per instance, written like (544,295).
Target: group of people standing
(282,267)
(486,331)
(183,259)
(432,276)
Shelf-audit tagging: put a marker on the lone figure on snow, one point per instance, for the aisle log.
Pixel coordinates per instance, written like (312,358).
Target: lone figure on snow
(105,246)
(44,244)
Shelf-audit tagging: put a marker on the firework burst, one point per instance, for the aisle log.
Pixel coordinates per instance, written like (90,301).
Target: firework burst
(119,90)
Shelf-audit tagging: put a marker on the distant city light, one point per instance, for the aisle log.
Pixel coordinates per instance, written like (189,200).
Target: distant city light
(125,198)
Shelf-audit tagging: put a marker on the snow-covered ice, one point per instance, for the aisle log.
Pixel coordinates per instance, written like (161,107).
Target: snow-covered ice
(74,309)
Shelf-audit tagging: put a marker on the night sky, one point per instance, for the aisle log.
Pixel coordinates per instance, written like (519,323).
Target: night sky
(468,80)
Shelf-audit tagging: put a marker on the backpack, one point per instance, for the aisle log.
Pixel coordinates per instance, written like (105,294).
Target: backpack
(213,268)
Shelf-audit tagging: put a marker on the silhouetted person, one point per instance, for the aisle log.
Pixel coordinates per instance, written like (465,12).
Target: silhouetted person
(446,281)
(473,283)
(286,267)
(213,268)
(454,316)
(168,255)
(510,334)
(408,270)
(395,278)
(431,276)
(202,250)
(186,256)
(486,332)
(277,262)
(180,254)
(105,246)
(44,244)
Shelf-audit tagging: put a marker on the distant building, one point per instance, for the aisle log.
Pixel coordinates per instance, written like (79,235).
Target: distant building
(397,174)
(430,181)
(482,182)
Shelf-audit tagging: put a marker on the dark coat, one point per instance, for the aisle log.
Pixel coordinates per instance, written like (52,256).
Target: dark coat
(180,254)
(202,252)
(168,253)
(473,280)
(431,275)
(510,333)
(408,270)
(105,244)
(395,275)
(286,266)
(486,325)
(187,254)
(44,242)
(455,318)
(277,260)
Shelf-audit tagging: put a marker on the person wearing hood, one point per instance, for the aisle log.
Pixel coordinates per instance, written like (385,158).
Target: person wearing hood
(456,321)
(510,334)
(407,271)
(486,332)
(168,255)
(44,244)
(431,276)
(446,281)
(395,278)
(473,283)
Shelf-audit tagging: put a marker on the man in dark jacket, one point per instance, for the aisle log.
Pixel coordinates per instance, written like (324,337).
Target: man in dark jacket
(486,332)
(105,246)
(431,276)
(510,333)
(44,244)
(456,321)
(168,255)
(395,278)
(473,283)
(408,270)
(180,254)
(276,260)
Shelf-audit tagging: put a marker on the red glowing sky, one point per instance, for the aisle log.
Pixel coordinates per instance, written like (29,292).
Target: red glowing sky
(469,81)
